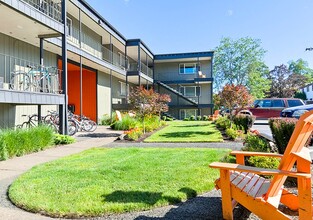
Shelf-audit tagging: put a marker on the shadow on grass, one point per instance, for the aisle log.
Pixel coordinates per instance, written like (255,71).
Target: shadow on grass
(186,126)
(149,198)
(186,134)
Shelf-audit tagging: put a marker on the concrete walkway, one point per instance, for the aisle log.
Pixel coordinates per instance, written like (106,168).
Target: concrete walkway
(11,169)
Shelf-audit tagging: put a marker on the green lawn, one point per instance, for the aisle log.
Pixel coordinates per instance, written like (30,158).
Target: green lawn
(104,181)
(187,131)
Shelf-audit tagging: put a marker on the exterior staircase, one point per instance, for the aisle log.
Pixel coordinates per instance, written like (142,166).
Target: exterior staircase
(177,93)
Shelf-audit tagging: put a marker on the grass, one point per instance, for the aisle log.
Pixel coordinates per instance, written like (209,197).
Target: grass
(187,131)
(105,181)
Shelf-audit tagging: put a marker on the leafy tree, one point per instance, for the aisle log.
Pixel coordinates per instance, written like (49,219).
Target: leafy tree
(301,67)
(300,95)
(258,82)
(233,58)
(284,82)
(235,96)
(147,102)
(217,101)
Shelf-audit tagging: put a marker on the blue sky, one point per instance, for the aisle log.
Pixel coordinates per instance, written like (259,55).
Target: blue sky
(285,27)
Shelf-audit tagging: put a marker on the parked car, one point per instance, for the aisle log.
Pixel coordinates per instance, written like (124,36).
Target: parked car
(296,112)
(271,107)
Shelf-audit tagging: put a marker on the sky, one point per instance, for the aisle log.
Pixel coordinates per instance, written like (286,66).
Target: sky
(285,27)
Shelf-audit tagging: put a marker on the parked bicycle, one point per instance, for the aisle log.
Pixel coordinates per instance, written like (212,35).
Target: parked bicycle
(83,123)
(33,121)
(37,79)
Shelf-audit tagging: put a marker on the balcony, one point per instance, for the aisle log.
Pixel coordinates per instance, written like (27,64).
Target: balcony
(93,47)
(146,70)
(25,76)
(51,8)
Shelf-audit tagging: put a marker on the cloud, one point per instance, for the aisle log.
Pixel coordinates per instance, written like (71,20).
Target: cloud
(230,12)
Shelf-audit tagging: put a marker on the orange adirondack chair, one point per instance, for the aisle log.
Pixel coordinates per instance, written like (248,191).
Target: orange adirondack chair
(214,116)
(242,184)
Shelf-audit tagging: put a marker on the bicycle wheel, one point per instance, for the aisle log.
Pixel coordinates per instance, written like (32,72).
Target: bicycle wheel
(72,127)
(94,126)
(19,81)
(86,125)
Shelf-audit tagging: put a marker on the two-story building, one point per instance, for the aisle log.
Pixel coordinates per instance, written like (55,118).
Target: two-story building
(92,66)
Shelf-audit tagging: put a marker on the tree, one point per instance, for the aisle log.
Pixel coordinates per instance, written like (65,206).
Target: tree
(147,102)
(301,67)
(300,95)
(232,59)
(284,82)
(235,96)
(258,82)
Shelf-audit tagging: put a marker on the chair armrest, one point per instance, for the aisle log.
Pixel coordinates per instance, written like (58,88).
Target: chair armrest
(250,153)
(257,170)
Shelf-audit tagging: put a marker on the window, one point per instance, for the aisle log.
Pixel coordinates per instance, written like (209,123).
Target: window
(123,89)
(295,102)
(190,91)
(69,27)
(308,89)
(278,103)
(187,68)
(186,113)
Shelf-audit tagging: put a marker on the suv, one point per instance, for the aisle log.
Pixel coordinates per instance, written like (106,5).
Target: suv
(271,107)
(296,112)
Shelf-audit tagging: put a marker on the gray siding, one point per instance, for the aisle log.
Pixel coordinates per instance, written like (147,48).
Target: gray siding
(170,71)
(15,54)
(104,94)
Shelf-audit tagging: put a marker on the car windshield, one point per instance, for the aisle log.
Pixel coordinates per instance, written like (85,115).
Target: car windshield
(293,103)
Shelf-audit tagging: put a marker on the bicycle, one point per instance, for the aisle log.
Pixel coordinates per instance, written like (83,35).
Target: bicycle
(82,122)
(38,79)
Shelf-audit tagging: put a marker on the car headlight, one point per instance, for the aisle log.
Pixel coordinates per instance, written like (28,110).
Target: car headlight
(298,113)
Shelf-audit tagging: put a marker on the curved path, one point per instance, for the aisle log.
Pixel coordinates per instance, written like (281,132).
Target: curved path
(207,206)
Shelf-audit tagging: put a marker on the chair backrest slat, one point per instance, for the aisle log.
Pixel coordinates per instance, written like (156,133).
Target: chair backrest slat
(299,138)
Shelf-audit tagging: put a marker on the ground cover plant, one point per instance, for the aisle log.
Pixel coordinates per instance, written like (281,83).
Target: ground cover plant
(187,131)
(103,181)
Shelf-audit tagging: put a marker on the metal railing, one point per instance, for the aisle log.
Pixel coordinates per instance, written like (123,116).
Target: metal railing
(51,8)
(24,75)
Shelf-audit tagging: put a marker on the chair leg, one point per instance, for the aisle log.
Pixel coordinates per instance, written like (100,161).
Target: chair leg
(305,198)
(227,205)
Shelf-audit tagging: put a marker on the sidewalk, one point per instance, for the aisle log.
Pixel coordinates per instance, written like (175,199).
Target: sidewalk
(11,169)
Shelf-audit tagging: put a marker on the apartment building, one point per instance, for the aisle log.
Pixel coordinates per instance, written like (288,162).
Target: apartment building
(92,66)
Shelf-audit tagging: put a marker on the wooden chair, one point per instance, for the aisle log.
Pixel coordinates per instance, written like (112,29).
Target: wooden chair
(242,184)
(214,116)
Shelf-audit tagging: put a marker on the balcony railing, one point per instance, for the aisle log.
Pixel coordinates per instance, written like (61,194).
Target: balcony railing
(146,70)
(94,48)
(51,8)
(24,75)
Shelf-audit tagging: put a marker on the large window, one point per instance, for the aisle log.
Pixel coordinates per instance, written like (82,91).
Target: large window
(187,68)
(190,91)
(124,89)
(186,113)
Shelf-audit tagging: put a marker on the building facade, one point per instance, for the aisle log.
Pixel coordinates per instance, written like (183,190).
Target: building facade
(56,54)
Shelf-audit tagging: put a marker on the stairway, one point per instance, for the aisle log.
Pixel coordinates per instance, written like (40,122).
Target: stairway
(177,93)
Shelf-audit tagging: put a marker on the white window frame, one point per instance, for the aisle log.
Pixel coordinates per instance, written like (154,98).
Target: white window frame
(69,25)
(195,88)
(123,91)
(184,65)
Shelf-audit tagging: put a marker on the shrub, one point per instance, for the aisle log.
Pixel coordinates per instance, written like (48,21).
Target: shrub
(205,118)
(151,123)
(126,123)
(24,141)
(169,119)
(231,133)
(229,159)
(264,162)
(63,139)
(244,121)
(186,119)
(192,118)
(199,118)
(282,129)
(134,134)
(223,122)
(255,143)
(105,120)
